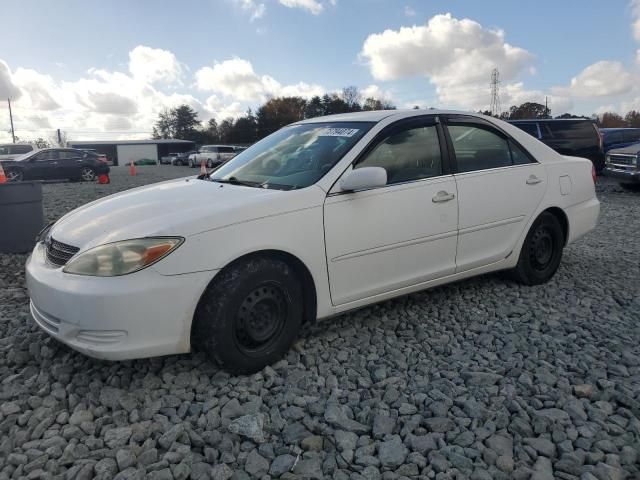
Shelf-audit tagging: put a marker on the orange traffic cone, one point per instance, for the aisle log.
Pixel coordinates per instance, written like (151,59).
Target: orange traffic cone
(103,179)
(3,177)
(203,168)
(132,168)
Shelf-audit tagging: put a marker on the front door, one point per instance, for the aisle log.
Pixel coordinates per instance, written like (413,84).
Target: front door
(44,165)
(499,187)
(402,234)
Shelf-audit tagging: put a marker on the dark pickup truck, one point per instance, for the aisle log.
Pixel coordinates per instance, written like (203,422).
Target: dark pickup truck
(623,164)
(574,137)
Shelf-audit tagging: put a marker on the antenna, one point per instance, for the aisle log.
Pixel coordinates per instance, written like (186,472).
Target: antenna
(495,93)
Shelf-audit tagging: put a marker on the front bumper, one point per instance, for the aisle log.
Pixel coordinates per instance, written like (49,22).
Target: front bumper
(144,314)
(632,176)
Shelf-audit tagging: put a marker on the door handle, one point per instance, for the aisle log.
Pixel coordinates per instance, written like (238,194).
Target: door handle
(533,180)
(443,196)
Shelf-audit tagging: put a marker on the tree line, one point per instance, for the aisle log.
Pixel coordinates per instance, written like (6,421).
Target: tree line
(536,110)
(182,122)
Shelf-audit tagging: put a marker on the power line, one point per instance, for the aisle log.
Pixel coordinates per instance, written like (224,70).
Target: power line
(495,93)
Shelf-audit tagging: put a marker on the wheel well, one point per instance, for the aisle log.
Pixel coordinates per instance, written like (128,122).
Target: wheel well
(562,218)
(308,285)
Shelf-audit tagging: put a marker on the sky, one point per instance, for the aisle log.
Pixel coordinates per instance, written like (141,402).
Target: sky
(104,69)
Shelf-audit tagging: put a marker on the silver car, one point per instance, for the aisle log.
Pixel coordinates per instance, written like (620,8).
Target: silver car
(9,151)
(213,155)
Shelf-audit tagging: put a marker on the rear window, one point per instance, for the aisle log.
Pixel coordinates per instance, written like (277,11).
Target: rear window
(632,135)
(530,128)
(20,149)
(567,129)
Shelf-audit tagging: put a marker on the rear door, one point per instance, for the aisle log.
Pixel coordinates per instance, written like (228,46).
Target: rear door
(499,187)
(70,163)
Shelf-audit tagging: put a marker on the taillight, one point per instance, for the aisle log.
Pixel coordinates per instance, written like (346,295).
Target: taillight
(593,173)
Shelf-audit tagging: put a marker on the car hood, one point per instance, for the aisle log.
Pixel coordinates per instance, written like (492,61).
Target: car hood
(632,149)
(181,207)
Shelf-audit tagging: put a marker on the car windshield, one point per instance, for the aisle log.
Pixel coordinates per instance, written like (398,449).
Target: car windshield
(293,157)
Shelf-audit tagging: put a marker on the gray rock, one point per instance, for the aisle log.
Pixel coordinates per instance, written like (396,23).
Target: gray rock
(336,417)
(117,437)
(500,444)
(480,378)
(125,459)
(281,464)
(256,464)
(439,424)
(392,452)
(250,426)
(382,425)
(221,472)
(541,445)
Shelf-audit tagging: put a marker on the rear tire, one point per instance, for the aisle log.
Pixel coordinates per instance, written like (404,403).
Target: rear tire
(541,251)
(250,315)
(88,174)
(14,175)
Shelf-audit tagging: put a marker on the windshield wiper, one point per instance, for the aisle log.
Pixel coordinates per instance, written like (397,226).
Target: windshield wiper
(235,181)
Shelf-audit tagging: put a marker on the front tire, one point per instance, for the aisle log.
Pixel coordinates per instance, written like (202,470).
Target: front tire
(250,315)
(541,251)
(209,163)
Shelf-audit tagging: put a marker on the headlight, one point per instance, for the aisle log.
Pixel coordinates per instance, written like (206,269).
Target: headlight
(122,258)
(42,234)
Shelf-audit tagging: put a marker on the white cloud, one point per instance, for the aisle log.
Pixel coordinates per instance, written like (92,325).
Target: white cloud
(409,12)
(313,6)
(254,9)
(374,91)
(446,50)
(236,79)
(154,64)
(456,56)
(635,15)
(39,91)
(601,79)
(8,89)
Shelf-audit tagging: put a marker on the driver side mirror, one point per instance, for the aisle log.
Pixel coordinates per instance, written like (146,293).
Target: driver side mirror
(364,178)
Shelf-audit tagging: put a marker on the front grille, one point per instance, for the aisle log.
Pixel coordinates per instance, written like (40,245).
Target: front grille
(59,253)
(622,159)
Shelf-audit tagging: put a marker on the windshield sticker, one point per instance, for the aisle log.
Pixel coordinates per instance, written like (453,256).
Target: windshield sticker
(338,132)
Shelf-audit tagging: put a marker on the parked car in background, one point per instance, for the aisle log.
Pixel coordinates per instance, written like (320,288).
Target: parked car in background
(623,164)
(212,155)
(573,137)
(168,159)
(13,150)
(55,164)
(619,137)
(321,217)
(182,159)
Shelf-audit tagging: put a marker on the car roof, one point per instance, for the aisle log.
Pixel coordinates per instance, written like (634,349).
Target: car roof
(551,120)
(379,115)
(618,129)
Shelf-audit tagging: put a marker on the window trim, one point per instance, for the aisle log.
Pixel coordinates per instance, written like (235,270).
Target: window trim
(471,121)
(391,129)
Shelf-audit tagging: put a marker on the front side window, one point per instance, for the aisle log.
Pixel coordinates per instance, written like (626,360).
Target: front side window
(47,155)
(411,154)
(480,148)
(293,157)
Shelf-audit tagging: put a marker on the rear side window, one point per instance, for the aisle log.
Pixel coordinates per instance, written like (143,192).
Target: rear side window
(20,149)
(411,154)
(225,149)
(530,128)
(569,129)
(481,148)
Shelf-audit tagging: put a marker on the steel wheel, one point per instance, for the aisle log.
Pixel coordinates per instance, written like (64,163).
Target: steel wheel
(14,176)
(88,174)
(260,318)
(209,163)
(541,248)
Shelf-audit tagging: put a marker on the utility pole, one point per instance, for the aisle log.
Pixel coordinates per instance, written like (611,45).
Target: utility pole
(13,133)
(59,139)
(495,93)
(546,106)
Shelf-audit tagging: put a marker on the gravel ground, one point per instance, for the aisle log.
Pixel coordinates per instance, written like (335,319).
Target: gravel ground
(484,379)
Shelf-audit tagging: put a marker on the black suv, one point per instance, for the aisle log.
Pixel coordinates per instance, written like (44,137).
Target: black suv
(55,164)
(574,137)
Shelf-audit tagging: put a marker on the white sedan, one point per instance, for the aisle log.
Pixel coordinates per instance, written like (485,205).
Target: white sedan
(323,216)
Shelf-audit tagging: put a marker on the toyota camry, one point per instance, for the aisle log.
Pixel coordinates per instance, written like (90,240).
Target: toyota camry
(323,216)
